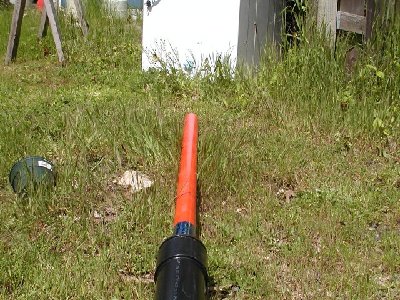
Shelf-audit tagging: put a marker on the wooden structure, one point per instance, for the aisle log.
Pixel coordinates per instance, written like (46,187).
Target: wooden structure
(349,15)
(49,17)
(260,24)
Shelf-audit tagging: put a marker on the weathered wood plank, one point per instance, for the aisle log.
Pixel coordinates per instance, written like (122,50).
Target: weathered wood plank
(351,22)
(268,29)
(326,17)
(370,18)
(51,13)
(44,24)
(15,31)
(81,19)
(260,24)
(352,6)
(245,44)
(273,9)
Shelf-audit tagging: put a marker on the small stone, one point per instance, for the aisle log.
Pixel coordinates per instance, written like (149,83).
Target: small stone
(97,215)
(135,180)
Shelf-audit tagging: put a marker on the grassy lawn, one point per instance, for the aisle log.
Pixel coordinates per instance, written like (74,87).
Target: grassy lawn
(298,167)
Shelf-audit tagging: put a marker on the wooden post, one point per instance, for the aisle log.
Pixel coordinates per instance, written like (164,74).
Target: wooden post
(44,23)
(48,18)
(51,14)
(15,31)
(369,18)
(327,11)
(79,15)
(260,25)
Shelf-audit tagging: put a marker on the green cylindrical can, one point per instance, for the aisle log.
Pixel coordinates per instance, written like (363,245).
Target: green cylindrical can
(32,171)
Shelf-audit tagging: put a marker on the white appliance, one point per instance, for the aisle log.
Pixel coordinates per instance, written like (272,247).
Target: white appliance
(186,33)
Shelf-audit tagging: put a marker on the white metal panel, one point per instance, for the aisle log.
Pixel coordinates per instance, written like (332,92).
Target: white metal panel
(186,32)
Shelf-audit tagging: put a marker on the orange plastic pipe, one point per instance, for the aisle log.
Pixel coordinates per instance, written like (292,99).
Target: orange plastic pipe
(185,210)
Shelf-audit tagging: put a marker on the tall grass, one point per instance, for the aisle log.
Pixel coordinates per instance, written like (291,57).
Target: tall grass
(296,201)
(315,79)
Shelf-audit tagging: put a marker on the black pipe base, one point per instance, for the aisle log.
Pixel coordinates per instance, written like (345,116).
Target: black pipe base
(181,272)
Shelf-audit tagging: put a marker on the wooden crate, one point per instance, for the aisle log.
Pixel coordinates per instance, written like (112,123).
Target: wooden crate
(349,15)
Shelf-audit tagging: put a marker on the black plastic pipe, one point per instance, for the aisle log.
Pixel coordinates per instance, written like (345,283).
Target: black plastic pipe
(181,269)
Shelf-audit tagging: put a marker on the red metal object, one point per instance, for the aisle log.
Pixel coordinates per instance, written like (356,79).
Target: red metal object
(186,206)
(40,4)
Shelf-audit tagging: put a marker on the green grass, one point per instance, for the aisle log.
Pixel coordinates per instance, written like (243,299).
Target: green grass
(298,167)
